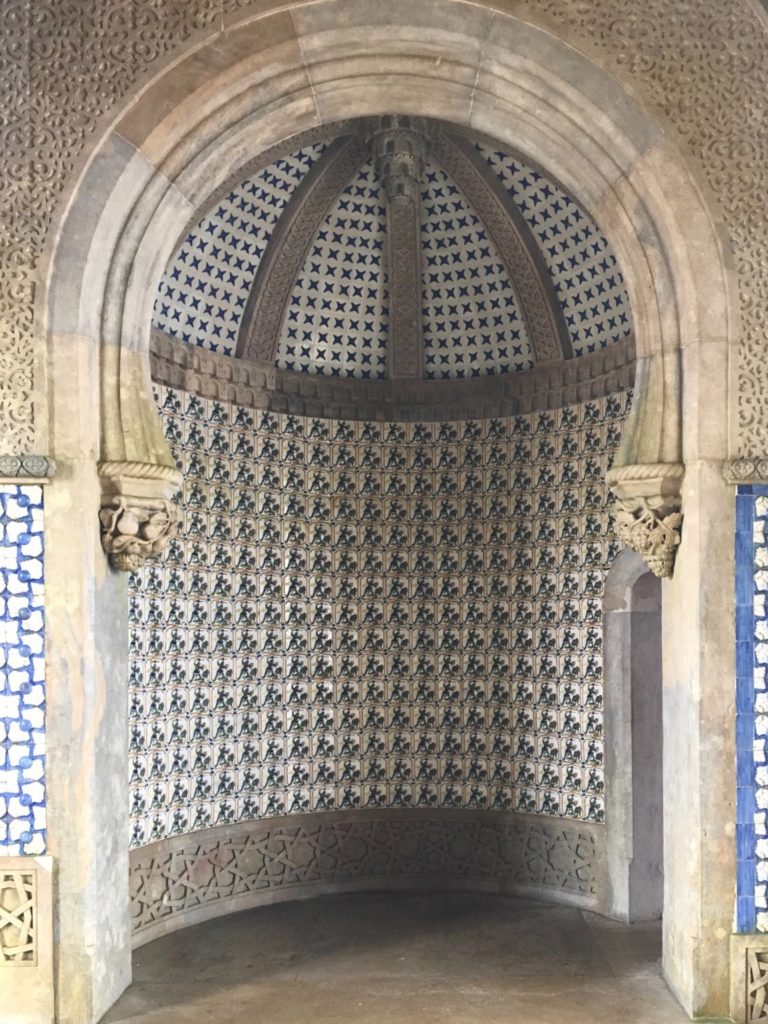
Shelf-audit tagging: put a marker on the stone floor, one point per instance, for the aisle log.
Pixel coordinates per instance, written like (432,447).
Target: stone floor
(402,959)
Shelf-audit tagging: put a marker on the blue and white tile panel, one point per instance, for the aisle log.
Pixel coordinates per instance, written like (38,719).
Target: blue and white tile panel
(337,318)
(22,672)
(202,296)
(583,266)
(751,707)
(471,320)
(373,615)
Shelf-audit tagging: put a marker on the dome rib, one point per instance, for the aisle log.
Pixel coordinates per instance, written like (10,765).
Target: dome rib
(281,264)
(515,243)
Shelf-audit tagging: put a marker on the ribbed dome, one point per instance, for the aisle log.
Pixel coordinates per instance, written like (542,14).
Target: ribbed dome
(349,258)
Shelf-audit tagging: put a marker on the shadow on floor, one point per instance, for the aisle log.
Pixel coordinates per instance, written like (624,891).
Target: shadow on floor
(381,958)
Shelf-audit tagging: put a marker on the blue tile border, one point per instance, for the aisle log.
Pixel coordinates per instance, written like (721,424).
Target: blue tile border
(746,716)
(22,671)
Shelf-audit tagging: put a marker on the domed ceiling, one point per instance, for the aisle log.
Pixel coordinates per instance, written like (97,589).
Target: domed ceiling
(396,248)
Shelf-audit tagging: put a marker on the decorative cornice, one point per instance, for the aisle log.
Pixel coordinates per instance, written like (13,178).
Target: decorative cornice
(296,229)
(515,243)
(746,471)
(25,469)
(261,386)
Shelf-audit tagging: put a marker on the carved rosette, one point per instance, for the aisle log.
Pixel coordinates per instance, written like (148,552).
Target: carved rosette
(648,516)
(138,517)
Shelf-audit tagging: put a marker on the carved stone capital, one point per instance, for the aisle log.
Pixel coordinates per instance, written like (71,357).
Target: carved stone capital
(138,517)
(648,516)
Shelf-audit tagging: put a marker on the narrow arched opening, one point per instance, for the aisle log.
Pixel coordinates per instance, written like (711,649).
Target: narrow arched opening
(633,741)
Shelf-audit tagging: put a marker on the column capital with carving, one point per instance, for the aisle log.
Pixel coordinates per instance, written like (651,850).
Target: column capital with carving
(648,517)
(138,517)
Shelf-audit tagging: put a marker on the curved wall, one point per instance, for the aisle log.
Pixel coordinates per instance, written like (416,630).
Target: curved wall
(188,879)
(363,618)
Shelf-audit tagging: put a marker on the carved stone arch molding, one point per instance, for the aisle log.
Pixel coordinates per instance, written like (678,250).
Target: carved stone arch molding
(278,75)
(266,78)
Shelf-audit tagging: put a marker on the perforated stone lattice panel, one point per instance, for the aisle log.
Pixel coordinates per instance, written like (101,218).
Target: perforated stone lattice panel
(471,322)
(22,671)
(18,917)
(373,615)
(203,293)
(584,269)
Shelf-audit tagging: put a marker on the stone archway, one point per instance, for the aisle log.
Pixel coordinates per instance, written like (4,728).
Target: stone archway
(201,120)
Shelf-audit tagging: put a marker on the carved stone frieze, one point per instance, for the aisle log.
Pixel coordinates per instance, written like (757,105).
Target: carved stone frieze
(648,517)
(26,467)
(191,877)
(261,386)
(746,471)
(138,518)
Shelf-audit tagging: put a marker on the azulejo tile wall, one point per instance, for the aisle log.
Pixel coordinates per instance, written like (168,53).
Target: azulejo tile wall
(373,615)
(22,671)
(752,707)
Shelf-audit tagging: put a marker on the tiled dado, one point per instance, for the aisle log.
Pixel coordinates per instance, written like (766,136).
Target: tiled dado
(185,880)
(365,615)
(22,671)
(752,706)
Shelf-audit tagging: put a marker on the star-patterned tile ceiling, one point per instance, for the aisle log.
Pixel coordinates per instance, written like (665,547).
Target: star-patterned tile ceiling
(335,313)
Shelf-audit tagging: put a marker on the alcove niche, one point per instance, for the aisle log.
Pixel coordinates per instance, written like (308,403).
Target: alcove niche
(393,364)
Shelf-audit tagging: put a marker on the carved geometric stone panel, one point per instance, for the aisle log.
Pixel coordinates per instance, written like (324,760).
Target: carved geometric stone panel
(190,878)
(18,916)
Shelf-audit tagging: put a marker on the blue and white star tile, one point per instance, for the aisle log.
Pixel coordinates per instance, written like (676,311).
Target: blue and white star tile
(471,320)
(203,293)
(337,318)
(583,266)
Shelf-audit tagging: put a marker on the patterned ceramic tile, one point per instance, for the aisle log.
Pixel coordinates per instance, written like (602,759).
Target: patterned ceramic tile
(583,266)
(471,322)
(752,707)
(369,614)
(336,322)
(22,672)
(203,293)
